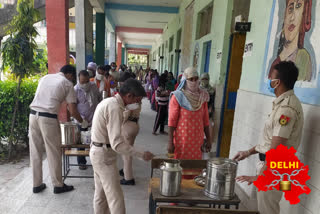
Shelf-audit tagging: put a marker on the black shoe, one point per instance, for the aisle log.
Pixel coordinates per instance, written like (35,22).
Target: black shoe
(83,167)
(127,182)
(65,188)
(121,173)
(39,188)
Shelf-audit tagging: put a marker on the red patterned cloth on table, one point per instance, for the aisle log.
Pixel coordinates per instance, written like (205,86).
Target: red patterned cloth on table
(189,132)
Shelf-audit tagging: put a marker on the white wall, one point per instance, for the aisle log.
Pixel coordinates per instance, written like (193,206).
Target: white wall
(252,110)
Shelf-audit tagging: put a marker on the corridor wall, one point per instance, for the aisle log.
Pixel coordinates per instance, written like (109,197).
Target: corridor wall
(254,102)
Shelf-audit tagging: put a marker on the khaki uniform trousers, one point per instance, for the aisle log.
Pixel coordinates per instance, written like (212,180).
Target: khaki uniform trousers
(45,133)
(268,202)
(130,131)
(108,195)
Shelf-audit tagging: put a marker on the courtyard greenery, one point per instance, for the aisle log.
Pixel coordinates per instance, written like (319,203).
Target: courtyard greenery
(18,55)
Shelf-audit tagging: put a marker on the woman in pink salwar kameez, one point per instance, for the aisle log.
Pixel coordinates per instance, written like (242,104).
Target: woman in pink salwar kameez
(188,118)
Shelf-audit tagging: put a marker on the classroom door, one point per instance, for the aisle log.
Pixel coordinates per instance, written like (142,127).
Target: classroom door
(233,76)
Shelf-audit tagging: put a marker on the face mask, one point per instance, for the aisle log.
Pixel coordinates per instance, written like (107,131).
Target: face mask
(270,87)
(99,76)
(204,83)
(85,87)
(133,106)
(113,68)
(193,86)
(90,73)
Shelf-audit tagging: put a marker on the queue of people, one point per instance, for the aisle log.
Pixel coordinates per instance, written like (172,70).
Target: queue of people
(113,123)
(186,105)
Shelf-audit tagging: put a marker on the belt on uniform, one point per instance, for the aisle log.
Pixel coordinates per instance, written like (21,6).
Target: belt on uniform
(133,119)
(101,144)
(262,157)
(44,114)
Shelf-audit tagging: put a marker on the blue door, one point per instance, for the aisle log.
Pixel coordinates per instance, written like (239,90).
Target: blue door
(207,59)
(178,59)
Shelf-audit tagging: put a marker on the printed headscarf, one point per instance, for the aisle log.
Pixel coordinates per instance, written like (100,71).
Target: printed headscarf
(189,96)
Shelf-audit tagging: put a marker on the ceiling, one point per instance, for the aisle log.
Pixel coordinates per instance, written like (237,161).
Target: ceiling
(140,19)
(136,14)
(138,38)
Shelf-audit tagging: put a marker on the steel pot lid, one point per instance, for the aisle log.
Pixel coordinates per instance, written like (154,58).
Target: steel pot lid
(222,162)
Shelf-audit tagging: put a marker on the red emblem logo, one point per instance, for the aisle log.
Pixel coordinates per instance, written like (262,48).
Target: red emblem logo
(286,173)
(284,120)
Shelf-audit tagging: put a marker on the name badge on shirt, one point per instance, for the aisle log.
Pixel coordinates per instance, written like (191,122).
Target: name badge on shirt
(284,120)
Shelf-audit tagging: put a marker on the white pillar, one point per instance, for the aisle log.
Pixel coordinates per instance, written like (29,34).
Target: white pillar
(84,33)
(112,50)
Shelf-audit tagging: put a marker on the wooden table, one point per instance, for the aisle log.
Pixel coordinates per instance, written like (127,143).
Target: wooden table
(67,152)
(191,193)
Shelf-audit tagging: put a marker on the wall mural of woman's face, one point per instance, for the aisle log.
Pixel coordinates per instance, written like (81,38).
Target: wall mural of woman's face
(293,19)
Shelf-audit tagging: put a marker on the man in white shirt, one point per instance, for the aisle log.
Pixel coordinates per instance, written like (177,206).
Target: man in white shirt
(44,127)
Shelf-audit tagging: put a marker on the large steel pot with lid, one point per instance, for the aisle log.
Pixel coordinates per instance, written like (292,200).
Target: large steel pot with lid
(170,178)
(220,178)
(69,133)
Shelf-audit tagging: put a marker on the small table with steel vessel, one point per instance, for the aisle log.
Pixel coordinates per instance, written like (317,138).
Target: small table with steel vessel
(191,193)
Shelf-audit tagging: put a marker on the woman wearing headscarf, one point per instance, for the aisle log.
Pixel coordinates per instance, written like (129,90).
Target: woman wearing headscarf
(171,82)
(205,85)
(188,118)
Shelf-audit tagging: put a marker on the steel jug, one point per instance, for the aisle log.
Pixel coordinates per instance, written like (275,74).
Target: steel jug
(170,178)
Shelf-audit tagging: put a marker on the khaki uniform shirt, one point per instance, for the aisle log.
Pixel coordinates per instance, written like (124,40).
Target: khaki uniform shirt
(131,113)
(285,120)
(106,126)
(52,90)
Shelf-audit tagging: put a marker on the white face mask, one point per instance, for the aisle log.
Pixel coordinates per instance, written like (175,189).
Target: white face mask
(133,106)
(113,68)
(99,76)
(85,87)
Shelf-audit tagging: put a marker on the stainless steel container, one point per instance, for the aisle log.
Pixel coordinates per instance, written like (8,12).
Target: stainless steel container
(69,133)
(104,94)
(170,178)
(208,155)
(220,179)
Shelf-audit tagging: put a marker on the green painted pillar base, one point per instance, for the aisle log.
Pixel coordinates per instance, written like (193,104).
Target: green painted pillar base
(100,38)
(123,55)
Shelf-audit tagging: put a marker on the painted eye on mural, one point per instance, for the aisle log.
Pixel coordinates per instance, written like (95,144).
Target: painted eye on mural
(290,8)
(298,5)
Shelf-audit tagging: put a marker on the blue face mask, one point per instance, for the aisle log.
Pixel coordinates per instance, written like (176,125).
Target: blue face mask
(269,85)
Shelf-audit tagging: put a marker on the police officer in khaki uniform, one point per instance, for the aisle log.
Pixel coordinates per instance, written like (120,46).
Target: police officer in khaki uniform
(130,130)
(107,141)
(284,126)
(44,128)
